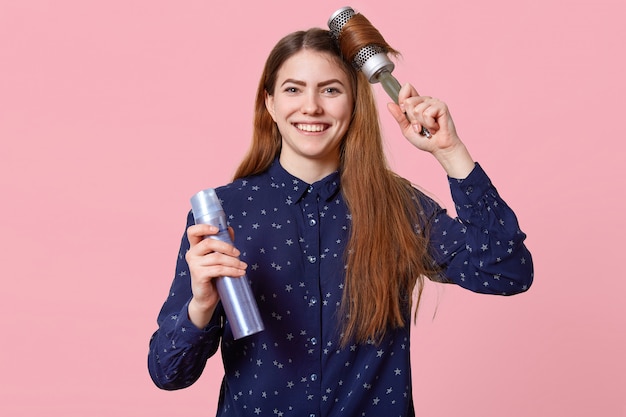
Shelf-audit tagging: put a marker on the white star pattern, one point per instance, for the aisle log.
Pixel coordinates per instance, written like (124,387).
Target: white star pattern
(293,237)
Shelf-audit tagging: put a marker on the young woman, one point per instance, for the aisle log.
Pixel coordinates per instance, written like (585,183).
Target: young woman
(334,244)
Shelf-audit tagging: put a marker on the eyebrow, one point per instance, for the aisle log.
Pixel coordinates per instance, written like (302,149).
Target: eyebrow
(320,84)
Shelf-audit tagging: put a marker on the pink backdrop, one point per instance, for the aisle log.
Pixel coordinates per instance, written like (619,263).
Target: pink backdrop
(113,113)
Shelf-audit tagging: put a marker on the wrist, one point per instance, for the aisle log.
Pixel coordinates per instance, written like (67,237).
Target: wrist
(200,314)
(457,161)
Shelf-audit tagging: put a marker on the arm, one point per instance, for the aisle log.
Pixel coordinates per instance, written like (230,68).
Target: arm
(190,321)
(482,249)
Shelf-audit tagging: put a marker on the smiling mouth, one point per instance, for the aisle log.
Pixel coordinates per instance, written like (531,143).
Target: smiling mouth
(311,127)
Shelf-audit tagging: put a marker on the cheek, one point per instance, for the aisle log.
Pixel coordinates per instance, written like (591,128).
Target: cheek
(345,112)
(281,110)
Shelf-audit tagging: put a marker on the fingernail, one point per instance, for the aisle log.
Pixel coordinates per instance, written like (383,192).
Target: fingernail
(417,128)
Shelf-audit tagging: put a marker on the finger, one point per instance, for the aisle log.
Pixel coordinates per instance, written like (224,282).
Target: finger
(398,115)
(206,267)
(221,264)
(197,232)
(407,91)
(413,108)
(428,117)
(210,245)
(206,275)
(435,114)
(408,98)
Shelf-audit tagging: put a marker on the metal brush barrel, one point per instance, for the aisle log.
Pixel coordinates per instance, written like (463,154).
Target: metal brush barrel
(371,60)
(236,295)
(339,19)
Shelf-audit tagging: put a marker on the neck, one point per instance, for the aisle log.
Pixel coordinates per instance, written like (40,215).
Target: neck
(308,170)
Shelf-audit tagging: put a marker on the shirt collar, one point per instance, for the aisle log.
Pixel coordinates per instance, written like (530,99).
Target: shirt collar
(295,188)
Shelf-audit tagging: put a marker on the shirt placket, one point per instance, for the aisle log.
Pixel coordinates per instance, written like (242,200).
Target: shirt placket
(312,298)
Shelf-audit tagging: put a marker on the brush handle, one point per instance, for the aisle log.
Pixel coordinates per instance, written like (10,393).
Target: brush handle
(392,87)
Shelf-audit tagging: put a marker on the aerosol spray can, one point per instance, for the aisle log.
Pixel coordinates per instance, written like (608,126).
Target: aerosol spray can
(236,295)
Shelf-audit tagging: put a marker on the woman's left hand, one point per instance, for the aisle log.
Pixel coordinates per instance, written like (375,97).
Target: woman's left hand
(414,112)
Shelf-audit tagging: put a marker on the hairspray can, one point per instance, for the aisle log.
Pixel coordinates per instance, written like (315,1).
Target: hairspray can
(236,295)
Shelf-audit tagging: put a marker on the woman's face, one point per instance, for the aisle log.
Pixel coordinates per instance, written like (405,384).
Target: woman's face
(312,107)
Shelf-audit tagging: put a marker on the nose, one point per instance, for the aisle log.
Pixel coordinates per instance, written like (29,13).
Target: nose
(311,103)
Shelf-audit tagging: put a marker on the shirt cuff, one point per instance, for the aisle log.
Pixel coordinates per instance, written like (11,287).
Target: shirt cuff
(185,329)
(468,191)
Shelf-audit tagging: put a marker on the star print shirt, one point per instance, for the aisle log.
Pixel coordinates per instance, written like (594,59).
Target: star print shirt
(292,235)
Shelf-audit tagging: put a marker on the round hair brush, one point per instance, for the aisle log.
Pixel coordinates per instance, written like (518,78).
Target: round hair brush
(363,45)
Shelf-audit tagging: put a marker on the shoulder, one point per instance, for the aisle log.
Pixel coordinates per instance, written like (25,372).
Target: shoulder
(243,190)
(242,185)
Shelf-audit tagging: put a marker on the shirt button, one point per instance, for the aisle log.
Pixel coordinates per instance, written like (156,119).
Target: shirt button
(311,415)
(313,341)
(312,222)
(313,301)
(310,190)
(313,377)
(312,259)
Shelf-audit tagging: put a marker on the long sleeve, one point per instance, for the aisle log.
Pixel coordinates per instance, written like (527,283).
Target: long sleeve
(293,236)
(178,349)
(482,249)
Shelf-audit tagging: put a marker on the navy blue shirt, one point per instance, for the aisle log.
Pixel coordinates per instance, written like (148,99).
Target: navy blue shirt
(293,235)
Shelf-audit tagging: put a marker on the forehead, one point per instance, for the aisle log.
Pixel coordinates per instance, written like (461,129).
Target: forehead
(311,66)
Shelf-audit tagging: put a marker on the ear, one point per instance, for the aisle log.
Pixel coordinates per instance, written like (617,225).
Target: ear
(269,105)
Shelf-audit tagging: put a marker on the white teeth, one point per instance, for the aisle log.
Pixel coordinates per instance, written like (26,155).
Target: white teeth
(311,128)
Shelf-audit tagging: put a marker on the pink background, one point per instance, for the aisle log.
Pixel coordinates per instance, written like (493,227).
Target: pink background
(113,113)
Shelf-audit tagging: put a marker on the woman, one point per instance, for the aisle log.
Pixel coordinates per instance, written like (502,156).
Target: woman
(333,243)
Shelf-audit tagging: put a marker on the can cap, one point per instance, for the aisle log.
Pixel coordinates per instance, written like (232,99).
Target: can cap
(205,202)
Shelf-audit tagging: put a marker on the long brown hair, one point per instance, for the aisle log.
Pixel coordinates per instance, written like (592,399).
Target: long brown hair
(387,256)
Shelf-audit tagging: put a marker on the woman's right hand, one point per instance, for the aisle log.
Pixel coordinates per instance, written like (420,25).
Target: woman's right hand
(207,260)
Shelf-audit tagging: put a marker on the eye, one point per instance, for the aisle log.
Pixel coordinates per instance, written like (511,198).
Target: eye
(332,91)
(291,90)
